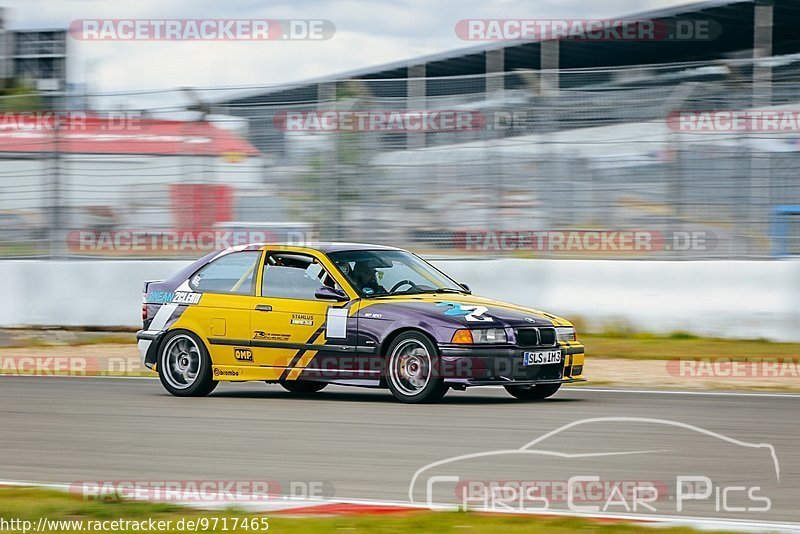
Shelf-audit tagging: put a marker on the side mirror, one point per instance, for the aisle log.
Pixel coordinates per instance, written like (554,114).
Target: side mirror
(330,293)
(466,287)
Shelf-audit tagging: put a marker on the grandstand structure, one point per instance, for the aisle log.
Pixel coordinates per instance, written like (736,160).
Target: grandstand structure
(613,80)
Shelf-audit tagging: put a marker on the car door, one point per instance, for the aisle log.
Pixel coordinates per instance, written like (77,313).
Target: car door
(291,326)
(222,315)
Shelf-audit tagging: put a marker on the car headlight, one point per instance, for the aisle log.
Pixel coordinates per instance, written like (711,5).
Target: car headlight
(565,333)
(484,335)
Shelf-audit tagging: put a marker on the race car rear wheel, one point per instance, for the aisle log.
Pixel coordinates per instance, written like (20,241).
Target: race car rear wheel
(542,391)
(302,387)
(184,366)
(413,369)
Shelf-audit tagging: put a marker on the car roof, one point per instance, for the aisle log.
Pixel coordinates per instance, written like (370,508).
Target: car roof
(324,247)
(342,247)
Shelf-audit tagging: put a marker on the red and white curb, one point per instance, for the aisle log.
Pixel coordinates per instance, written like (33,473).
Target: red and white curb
(291,506)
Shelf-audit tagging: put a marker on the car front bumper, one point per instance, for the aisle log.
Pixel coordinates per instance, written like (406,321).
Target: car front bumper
(473,365)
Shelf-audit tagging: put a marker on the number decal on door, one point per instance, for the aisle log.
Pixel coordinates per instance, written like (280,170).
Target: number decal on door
(469,312)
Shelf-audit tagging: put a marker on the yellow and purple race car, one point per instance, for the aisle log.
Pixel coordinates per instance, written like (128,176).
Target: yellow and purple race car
(351,314)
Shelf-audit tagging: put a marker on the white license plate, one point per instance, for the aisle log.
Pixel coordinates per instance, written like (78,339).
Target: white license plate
(538,358)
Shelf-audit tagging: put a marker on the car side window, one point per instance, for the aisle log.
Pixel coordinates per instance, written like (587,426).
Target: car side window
(233,273)
(293,276)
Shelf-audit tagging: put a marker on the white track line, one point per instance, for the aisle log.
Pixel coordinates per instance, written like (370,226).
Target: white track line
(478,388)
(703,523)
(671,392)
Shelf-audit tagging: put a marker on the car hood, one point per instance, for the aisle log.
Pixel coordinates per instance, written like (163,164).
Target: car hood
(464,310)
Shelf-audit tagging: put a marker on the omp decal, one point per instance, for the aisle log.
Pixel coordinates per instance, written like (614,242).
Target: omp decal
(302,319)
(469,312)
(336,323)
(173,297)
(243,355)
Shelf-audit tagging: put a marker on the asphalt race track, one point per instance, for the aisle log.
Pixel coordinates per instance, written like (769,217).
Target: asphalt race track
(366,445)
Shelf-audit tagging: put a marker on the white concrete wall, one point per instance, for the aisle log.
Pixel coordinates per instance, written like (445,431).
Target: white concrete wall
(751,299)
(76,293)
(729,299)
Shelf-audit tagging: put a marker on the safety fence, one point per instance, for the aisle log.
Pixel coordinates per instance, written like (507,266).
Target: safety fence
(677,161)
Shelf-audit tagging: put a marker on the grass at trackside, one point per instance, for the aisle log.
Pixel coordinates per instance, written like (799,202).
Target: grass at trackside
(31,504)
(43,338)
(112,339)
(462,522)
(662,347)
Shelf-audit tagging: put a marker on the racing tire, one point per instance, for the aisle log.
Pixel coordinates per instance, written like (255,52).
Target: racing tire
(302,387)
(542,391)
(413,374)
(184,365)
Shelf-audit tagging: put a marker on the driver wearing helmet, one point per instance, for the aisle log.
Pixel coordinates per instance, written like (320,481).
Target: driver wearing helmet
(365,278)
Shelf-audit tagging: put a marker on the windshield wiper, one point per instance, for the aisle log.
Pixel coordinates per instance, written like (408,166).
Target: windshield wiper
(424,292)
(445,290)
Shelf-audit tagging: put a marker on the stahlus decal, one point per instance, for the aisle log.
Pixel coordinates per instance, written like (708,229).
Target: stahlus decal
(302,319)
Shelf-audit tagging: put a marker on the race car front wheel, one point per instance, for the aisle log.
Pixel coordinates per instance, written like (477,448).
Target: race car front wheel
(413,369)
(184,366)
(542,391)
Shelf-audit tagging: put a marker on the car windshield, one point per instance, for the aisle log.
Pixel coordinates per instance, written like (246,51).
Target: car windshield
(391,272)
